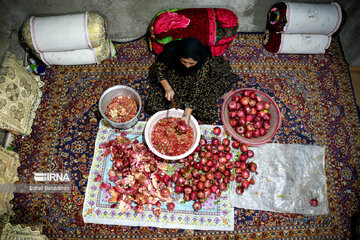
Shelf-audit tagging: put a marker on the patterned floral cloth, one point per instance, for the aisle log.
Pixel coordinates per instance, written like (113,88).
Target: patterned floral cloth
(215,215)
(214,27)
(313,92)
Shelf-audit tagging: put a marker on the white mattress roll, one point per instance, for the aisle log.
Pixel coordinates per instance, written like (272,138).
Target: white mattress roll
(80,56)
(304,43)
(312,18)
(74,57)
(47,37)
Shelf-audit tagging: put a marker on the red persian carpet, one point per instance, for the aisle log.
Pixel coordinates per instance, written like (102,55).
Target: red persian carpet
(313,92)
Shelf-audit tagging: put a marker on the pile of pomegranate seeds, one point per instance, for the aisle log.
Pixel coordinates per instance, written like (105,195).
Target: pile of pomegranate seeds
(167,140)
(136,176)
(122,109)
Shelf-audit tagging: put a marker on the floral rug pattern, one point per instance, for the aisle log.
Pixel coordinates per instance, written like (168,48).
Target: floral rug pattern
(313,92)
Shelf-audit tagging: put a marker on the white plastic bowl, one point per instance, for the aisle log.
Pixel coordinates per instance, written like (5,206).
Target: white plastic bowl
(171,113)
(114,92)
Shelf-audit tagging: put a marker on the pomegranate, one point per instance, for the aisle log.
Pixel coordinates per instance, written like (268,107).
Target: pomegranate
(244,101)
(262,131)
(267,105)
(181,125)
(170,206)
(228,156)
(314,202)
(239,189)
(220,147)
(232,114)
(235,144)
(139,208)
(245,184)
(256,133)
(238,178)
(243,157)
(244,147)
(252,102)
(248,134)
(240,113)
(233,122)
(250,153)
(243,165)
(259,99)
(179,189)
(226,142)
(197,206)
(217,130)
(245,174)
(202,141)
(240,130)
(235,98)
(232,106)
(259,106)
(187,190)
(208,147)
(252,166)
(267,117)
(253,95)
(257,124)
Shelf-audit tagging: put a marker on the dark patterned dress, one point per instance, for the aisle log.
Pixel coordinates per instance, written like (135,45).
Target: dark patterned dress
(199,91)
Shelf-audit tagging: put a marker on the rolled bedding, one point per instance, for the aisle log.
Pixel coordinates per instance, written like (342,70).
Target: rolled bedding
(214,27)
(293,43)
(78,31)
(80,56)
(291,17)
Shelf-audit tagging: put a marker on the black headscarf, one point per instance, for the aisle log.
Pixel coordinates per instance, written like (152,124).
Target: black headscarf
(185,48)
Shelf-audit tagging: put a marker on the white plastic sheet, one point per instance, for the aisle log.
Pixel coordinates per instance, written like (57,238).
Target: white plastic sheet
(289,176)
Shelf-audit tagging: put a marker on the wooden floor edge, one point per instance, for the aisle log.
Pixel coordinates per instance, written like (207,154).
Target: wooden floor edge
(355,68)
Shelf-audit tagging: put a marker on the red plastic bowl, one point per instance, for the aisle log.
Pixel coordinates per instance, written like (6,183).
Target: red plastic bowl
(275,121)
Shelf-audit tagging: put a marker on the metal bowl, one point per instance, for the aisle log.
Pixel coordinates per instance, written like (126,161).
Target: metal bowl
(114,92)
(171,113)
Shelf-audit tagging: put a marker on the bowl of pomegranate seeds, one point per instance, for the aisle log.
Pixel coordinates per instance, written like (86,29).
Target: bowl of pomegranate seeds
(120,106)
(250,116)
(168,138)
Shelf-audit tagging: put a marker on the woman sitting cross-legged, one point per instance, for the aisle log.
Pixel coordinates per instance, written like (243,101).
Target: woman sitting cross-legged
(186,72)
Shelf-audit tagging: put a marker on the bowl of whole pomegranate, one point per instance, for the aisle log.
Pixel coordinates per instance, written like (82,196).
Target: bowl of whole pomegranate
(250,116)
(168,136)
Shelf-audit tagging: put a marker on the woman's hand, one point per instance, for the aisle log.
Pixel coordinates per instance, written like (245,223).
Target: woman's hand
(186,116)
(169,94)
